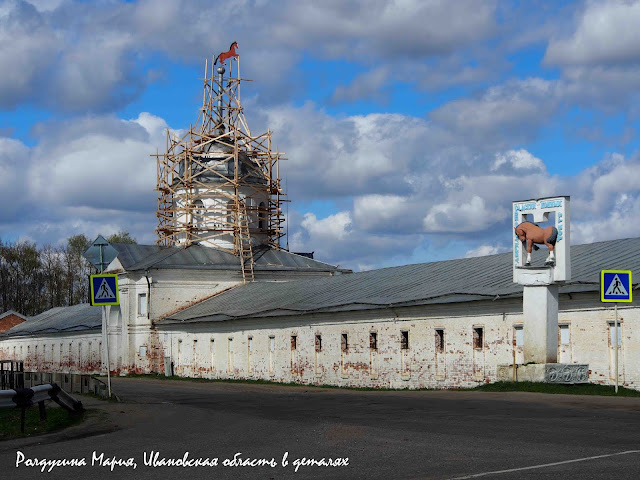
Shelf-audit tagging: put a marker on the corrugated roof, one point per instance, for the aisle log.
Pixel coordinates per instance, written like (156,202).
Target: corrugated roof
(13,312)
(447,281)
(143,257)
(60,319)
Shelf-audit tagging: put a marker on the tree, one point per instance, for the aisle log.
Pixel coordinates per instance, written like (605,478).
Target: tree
(78,269)
(22,278)
(122,237)
(34,279)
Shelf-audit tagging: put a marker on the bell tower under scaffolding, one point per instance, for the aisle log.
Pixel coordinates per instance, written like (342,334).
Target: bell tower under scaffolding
(219,185)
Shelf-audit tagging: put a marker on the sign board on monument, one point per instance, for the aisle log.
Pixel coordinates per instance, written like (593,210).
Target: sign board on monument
(104,289)
(616,286)
(539,211)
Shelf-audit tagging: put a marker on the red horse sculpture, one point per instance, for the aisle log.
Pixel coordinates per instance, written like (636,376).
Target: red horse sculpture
(224,55)
(532,234)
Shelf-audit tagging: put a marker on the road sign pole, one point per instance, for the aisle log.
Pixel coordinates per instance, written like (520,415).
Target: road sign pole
(616,286)
(615,334)
(105,335)
(105,327)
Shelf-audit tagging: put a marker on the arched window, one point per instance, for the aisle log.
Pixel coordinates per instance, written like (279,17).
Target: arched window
(198,214)
(262,216)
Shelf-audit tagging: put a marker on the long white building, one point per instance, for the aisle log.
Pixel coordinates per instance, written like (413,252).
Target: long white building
(435,325)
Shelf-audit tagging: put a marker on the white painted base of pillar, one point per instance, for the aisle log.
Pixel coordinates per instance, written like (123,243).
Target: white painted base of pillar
(540,309)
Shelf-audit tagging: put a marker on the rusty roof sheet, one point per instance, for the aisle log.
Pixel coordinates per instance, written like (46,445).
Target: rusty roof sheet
(459,280)
(59,319)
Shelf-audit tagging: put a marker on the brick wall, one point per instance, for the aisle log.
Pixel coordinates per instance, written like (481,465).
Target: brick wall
(10,321)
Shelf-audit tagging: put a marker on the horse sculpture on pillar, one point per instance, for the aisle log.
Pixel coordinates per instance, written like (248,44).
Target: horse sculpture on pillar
(228,54)
(534,234)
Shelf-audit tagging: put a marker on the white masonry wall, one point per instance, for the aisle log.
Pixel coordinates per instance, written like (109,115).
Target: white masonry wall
(262,348)
(74,352)
(133,341)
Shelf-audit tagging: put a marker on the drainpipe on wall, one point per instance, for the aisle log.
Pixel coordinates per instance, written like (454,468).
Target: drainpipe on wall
(148,294)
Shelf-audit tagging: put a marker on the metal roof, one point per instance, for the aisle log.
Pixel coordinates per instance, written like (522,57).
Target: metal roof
(59,319)
(143,257)
(13,312)
(448,281)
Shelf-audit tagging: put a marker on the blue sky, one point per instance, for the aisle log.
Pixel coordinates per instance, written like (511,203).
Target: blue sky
(409,126)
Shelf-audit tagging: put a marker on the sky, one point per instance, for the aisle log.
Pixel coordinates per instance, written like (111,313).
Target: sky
(409,127)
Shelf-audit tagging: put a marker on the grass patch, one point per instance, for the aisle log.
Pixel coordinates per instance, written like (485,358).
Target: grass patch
(539,387)
(57,419)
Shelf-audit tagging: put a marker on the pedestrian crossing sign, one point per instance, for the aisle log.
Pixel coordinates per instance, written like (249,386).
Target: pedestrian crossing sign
(104,289)
(615,286)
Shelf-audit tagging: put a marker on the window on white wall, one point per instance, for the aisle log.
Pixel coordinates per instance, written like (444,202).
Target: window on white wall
(404,340)
(565,336)
(142,304)
(612,336)
(439,337)
(519,333)
(478,338)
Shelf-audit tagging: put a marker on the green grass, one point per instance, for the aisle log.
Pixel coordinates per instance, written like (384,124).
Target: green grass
(57,419)
(539,387)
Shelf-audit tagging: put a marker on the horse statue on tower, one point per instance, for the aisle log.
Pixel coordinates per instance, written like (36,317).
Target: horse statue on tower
(533,234)
(228,54)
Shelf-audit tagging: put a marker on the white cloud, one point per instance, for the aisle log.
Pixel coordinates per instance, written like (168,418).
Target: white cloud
(365,86)
(29,47)
(619,221)
(345,156)
(470,216)
(332,228)
(484,250)
(519,160)
(607,33)
(406,28)
(88,165)
(14,156)
(89,175)
(513,111)
(90,56)
(336,239)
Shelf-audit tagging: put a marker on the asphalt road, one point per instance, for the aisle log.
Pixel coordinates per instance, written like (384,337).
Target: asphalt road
(384,435)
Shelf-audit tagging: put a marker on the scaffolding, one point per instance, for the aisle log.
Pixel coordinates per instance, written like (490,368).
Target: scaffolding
(219,185)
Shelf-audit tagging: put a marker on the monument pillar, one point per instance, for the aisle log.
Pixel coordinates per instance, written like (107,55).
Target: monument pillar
(540,295)
(540,308)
